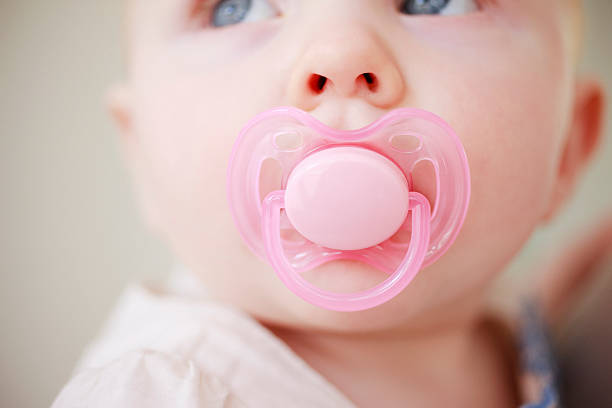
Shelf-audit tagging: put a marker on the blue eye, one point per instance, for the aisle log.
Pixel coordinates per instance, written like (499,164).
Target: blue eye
(423,6)
(230,12)
(443,7)
(227,12)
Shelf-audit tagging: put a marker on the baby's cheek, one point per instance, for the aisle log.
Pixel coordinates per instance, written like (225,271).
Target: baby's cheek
(187,124)
(512,145)
(507,110)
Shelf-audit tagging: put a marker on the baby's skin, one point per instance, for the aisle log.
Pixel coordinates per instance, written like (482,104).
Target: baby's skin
(502,73)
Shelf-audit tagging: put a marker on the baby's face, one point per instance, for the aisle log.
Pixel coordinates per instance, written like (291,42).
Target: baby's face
(499,71)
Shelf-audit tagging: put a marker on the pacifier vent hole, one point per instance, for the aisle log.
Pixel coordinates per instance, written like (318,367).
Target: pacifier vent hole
(288,141)
(424,181)
(270,177)
(406,143)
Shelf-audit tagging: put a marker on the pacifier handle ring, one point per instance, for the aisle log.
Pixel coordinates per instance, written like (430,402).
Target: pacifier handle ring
(382,292)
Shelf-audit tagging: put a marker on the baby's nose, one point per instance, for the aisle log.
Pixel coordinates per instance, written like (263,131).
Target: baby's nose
(350,62)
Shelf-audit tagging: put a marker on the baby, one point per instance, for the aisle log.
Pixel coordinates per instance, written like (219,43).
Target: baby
(225,331)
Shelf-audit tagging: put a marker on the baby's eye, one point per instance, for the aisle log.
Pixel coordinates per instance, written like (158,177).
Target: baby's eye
(442,7)
(228,12)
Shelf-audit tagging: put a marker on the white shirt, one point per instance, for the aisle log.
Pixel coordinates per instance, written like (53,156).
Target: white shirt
(171,347)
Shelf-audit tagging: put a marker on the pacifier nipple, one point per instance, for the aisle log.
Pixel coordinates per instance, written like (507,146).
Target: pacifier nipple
(346,198)
(346,195)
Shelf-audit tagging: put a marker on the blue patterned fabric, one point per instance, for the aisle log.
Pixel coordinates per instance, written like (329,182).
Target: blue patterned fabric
(539,373)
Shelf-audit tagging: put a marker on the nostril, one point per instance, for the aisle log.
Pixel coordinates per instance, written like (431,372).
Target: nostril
(317,82)
(371,80)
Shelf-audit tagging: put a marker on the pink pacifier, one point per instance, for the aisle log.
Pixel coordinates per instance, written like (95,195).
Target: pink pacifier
(347,195)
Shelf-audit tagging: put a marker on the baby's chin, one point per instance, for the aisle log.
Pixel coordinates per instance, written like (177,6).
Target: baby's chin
(343,276)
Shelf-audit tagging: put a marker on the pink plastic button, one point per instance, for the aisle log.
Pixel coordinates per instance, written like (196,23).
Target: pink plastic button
(347,198)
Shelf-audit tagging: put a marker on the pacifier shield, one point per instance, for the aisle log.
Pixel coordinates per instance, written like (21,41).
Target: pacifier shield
(344,194)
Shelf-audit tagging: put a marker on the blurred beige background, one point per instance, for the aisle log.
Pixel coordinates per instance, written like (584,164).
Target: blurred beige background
(70,235)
